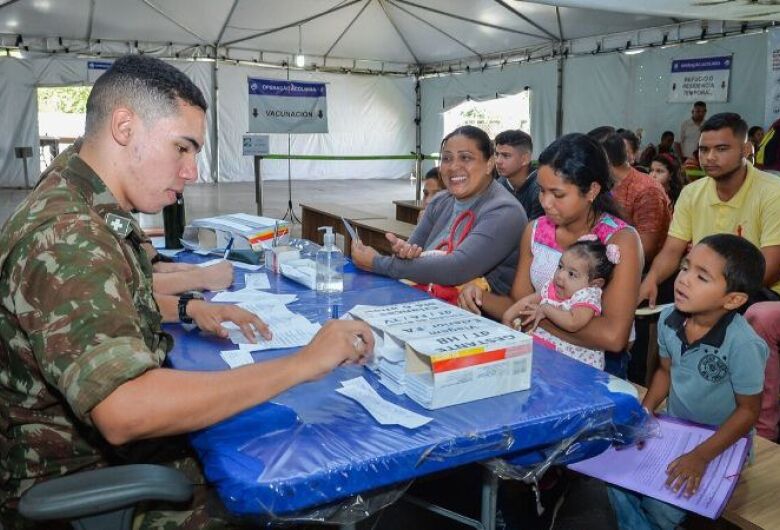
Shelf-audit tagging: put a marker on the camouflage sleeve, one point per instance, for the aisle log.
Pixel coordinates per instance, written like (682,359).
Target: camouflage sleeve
(74,302)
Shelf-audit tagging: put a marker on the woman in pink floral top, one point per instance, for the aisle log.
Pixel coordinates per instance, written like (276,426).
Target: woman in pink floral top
(574,181)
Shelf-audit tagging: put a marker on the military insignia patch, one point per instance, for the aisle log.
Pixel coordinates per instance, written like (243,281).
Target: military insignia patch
(120,225)
(712,368)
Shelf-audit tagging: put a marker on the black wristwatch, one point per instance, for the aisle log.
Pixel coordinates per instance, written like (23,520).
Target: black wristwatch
(160,258)
(183,301)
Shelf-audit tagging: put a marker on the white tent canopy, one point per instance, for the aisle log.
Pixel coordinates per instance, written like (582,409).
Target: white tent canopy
(454,48)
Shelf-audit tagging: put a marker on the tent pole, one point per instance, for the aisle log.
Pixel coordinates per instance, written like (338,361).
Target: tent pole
(559,110)
(418,135)
(215,119)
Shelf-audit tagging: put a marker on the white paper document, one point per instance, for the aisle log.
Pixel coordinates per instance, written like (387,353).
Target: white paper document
(644,470)
(236,358)
(251,295)
(383,411)
(257,281)
(236,264)
(289,329)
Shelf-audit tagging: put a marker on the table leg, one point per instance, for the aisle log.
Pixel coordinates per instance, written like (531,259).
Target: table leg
(489,499)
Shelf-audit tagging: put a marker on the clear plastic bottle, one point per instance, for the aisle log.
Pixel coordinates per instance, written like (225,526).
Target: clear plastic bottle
(330,264)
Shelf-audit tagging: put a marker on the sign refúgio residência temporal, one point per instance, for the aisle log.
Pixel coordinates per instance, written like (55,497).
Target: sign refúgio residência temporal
(701,79)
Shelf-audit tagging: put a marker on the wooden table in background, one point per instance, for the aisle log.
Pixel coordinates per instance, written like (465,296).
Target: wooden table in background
(317,214)
(372,233)
(408,211)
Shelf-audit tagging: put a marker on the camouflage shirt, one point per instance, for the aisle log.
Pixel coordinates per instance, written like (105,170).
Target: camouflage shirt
(77,320)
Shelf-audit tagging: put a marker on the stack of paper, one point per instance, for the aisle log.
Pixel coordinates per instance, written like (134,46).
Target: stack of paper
(441,355)
(246,232)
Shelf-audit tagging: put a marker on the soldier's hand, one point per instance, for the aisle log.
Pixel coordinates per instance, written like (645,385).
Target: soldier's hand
(218,276)
(209,317)
(337,342)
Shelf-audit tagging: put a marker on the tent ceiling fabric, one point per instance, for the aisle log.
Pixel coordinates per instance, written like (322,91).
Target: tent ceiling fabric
(746,10)
(401,32)
(398,32)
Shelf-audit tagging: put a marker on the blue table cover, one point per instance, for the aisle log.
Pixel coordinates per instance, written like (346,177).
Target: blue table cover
(311,446)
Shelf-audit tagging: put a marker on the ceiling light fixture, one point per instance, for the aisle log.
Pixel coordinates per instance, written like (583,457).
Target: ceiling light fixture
(300,60)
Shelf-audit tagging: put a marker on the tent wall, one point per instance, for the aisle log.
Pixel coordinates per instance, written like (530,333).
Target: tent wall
(367,115)
(18,112)
(373,115)
(540,78)
(19,107)
(631,90)
(606,89)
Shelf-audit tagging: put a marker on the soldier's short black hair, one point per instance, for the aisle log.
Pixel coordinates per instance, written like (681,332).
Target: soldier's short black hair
(150,87)
(727,120)
(515,138)
(745,265)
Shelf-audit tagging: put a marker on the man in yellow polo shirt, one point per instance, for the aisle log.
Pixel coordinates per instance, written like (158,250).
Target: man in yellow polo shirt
(733,198)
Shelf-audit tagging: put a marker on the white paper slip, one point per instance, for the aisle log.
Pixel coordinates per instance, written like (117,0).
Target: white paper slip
(245,266)
(252,296)
(158,241)
(268,310)
(258,280)
(202,252)
(383,411)
(236,264)
(236,358)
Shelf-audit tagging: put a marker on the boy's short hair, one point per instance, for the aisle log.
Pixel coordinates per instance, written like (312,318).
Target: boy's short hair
(515,138)
(730,120)
(147,85)
(667,134)
(745,265)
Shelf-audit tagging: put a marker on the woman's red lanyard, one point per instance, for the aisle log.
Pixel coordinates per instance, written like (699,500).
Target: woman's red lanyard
(450,244)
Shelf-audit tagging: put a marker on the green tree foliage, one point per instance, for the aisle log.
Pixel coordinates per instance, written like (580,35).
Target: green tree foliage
(69,99)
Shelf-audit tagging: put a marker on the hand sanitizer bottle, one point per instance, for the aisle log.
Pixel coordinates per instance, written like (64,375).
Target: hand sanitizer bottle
(330,264)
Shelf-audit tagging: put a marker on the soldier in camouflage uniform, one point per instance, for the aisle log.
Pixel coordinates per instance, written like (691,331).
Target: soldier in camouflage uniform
(169,278)
(81,345)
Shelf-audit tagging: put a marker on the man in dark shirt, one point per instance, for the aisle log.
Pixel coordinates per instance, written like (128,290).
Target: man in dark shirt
(513,164)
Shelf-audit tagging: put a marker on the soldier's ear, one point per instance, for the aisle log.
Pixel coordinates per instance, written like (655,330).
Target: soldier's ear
(122,120)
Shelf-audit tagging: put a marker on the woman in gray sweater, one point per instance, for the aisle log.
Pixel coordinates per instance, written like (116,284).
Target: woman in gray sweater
(471,230)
